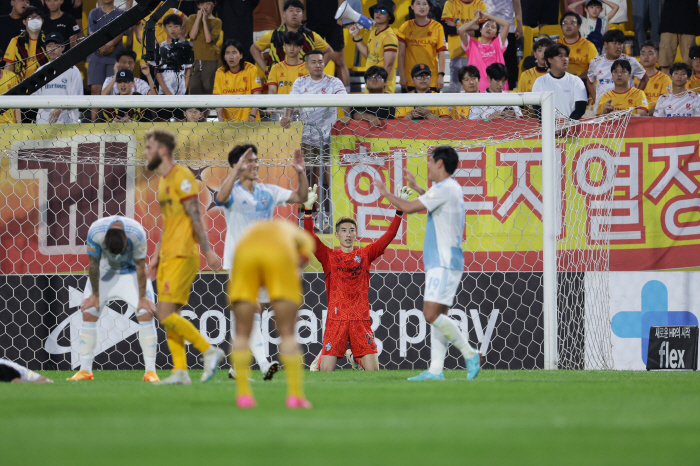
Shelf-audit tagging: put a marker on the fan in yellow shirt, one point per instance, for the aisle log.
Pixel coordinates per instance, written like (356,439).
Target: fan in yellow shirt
(455,13)
(658,81)
(8,80)
(421,77)
(581,50)
(623,97)
(528,77)
(421,40)
(694,81)
(236,77)
(283,74)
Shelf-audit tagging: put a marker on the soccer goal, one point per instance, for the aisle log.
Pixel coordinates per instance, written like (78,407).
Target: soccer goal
(538,190)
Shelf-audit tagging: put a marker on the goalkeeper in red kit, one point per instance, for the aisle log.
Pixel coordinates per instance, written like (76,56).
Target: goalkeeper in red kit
(347,289)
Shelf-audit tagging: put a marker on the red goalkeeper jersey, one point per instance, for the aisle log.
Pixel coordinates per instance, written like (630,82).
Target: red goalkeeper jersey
(347,274)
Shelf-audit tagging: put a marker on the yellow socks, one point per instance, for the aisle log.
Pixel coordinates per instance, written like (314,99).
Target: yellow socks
(241,364)
(293,367)
(176,343)
(179,325)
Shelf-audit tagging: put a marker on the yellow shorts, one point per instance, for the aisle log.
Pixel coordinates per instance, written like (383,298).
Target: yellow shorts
(175,278)
(259,263)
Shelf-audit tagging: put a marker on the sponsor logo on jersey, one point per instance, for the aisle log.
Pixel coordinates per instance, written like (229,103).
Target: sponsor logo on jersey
(328,346)
(186,186)
(358,259)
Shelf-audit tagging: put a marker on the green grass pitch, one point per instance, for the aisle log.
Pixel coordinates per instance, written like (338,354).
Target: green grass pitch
(503,417)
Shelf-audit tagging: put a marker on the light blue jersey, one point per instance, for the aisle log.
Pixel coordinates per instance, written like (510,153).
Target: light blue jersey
(136,244)
(442,246)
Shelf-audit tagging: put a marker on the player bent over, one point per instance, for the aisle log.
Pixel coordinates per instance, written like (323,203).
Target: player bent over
(14,373)
(176,261)
(245,202)
(117,271)
(443,258)
(347,289)
(269,254)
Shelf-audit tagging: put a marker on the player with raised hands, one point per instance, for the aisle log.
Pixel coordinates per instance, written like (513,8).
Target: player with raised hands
(347,289)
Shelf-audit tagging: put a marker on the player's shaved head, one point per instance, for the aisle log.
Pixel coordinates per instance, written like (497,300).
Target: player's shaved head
(237,152)
(115,241)
(343,220)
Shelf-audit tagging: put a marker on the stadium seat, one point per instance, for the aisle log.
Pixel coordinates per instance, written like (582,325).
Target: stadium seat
(529,35)
(552,30)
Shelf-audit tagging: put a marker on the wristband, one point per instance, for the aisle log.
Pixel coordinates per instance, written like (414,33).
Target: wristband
(356,40)
(399,212)
(441,73)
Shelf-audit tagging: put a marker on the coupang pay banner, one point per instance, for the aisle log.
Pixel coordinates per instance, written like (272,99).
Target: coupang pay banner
(654,184)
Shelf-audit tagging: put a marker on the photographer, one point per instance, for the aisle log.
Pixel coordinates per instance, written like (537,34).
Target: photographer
(172,81)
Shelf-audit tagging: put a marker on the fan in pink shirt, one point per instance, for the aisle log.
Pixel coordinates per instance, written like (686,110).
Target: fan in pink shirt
(489,47)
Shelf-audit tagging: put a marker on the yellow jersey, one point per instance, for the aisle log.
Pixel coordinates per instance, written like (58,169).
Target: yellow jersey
(8,80)
(459,12)
(633,98)
(423,43)
(30,65)
(161,35)
(581,53)
(377,44)
(460,112)
(279,235)
(283,75)
(441,112)
(246,81)
(178,238)
(527,79)
(273,40)
(655,87)
(694,83)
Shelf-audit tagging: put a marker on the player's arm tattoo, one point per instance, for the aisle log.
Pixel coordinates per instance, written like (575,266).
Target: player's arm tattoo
(141,276)
(192,208)
(94,274)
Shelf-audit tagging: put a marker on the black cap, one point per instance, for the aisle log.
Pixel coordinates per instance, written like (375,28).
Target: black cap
(387,5)
(420,69)
(55,37)
(125,75)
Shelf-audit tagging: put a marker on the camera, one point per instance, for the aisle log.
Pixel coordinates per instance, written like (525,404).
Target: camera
(178,55)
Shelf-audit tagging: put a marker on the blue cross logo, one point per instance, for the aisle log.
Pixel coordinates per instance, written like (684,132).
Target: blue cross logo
(633,324)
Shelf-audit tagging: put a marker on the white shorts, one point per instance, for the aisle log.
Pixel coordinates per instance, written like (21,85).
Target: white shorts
(115,286)
(441,285)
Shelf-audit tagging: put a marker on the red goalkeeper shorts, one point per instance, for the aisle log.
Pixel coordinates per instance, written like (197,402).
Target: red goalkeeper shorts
(339,332)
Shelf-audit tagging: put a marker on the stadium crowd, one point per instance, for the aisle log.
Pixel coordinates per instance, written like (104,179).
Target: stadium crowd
(585,55)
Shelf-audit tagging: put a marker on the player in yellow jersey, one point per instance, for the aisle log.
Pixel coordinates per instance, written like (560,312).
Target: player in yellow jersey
(283,74)
(623,96)
(236,76)
(176,261)
(658,80)
(528,77)
(694,81)
(269,254)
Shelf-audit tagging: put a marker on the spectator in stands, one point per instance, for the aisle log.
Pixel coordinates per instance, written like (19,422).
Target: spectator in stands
(421,41)
(274,40)
(454,14)
(645,16)
(101,62)
(283,74)
(618,18)
(11,25)
(497,76)
(680,23)
(511,11)
(623,96)
(67,83)
(538,13)
(382,44)
(196,115)
(320,18)
(570,97)
(126,60)
(204,30)
(375,82)
(172,82)
(125,87)
(594,25)
(600,78)
(678,101)
(527,78)
(489,48)
(694,81)
(161,35)
(469,77)
(237,77)
(60,22)
(267,16)
(237,20)
(582,51)
(8,80)
(421,77)
(658,81)
(27,51)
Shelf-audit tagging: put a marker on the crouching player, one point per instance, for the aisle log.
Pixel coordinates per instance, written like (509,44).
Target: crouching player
(117,271)
(269,254)
(347,290)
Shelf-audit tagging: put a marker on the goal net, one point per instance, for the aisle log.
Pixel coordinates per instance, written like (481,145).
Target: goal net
(538,190)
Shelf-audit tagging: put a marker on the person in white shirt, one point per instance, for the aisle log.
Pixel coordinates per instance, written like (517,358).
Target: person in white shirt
(570,97)
(678,101)
(595,24)
(126,60)
(496,74)
(443,256)
(245,202)
(172,81)
(67,83)
(599,75)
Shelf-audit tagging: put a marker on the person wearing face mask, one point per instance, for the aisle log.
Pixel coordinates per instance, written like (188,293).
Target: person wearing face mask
(27,51)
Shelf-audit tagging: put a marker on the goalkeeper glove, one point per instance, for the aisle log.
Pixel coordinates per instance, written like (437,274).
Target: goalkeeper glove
(404,193)
(311,200)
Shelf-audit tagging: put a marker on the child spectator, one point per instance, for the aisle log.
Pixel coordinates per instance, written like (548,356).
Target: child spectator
(454,14)
(125,86)
(236,76)
(196,115)
(658,81)
(161,34)
(126,59)
(594,26)
(60,22)
(623,96)
(172,82)
(694,81)
(527,79)
(8,80)
(27,51)
(421,41)
(375,80)
(570,97)
(582,51)
(67,83)
(283,74)
(489,48)
(421,77)
(511,11)
(678,101)
(497,76)
(469,77)
(204,30)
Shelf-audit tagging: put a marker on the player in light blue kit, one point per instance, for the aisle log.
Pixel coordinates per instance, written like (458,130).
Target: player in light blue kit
(117,250)
(443,258)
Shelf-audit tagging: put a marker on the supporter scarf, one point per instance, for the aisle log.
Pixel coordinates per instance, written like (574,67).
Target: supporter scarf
(277,54)
(22,56)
